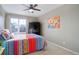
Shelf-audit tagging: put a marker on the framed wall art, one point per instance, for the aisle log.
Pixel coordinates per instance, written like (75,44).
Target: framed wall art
(54,22)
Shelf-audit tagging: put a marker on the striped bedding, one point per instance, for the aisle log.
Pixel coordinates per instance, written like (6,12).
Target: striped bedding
(22,46)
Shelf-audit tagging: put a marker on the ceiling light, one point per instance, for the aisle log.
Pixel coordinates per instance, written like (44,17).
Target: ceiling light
(31,10)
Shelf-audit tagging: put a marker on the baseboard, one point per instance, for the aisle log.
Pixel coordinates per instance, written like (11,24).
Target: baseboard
(76,53)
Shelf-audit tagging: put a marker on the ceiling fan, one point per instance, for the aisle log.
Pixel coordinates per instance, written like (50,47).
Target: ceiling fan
(31,8)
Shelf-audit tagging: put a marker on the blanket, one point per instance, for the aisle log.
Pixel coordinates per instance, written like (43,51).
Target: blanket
(22,46)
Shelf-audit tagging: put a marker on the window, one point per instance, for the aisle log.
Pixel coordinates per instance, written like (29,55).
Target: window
(22,25)
(17,25)
(1,22)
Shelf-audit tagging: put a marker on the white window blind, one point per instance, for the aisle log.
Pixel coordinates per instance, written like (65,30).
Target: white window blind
(18,25)
(1,22)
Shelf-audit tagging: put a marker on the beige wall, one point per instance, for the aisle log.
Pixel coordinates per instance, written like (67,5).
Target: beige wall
(68,34)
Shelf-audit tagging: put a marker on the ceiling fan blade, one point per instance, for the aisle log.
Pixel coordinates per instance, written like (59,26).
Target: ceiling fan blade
(25,9)
(31,5)
(37,9)
(25,5)
(35,5)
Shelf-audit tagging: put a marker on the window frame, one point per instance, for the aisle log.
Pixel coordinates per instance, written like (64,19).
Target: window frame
(18,24)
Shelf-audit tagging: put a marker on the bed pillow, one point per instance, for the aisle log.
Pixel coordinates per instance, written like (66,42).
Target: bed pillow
(5,35)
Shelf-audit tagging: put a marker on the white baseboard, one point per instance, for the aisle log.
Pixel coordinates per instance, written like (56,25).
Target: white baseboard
(76,53)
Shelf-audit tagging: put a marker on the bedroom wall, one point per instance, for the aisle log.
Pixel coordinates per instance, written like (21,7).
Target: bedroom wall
(2,14)
(68,34)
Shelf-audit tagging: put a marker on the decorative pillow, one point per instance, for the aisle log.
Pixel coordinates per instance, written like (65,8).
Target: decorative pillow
(5,35)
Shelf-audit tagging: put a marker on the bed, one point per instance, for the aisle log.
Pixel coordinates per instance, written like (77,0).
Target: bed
(31,43)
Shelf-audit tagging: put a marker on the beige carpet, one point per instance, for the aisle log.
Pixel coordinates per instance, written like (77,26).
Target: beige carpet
(52,50)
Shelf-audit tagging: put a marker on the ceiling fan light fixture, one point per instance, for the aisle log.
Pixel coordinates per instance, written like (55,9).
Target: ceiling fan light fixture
(31,10)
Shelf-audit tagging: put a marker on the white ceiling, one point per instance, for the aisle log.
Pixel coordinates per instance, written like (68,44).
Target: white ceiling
(18,9)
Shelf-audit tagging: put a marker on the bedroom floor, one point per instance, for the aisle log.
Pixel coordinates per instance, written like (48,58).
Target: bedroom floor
(52,50)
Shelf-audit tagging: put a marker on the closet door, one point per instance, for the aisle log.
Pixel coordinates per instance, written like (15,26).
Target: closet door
(1,22)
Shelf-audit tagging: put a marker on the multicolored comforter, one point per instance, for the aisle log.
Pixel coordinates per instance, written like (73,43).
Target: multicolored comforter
(22,46)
